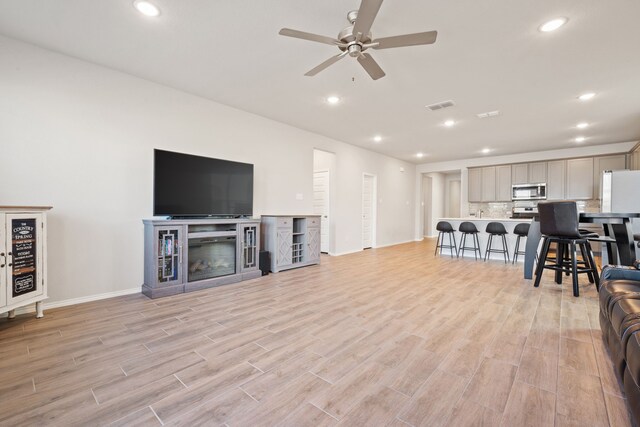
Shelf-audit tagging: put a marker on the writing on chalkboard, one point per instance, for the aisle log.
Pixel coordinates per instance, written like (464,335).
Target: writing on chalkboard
(23,245)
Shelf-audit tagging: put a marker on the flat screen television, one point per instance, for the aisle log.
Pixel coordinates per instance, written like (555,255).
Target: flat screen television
(193,186)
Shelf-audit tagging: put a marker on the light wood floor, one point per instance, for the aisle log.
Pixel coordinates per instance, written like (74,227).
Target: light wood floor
(391,336)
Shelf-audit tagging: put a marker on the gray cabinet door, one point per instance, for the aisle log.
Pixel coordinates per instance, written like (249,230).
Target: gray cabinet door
(556,175)
(489,184)
(475,185)
(580,179)
(503,183)
(537,172)
(285,241)
(606,163)
(313,244)
(520,174)
(250,235)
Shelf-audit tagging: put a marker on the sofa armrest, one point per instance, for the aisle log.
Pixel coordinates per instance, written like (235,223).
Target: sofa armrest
(620,272)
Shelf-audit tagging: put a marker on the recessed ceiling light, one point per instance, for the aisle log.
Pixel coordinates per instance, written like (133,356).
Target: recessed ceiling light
(552,25)
(486,150)
(449,123)
(580,139)
(333,100)
(377,138)
(420,155)
(147,8)
(586,96)
(582,125)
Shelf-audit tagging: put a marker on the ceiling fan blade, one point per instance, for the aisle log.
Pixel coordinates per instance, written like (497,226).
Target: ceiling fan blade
(370,66)
(406,40)
(308,36)
(325,64)
(366,15)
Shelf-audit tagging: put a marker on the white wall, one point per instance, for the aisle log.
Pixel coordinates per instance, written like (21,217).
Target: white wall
(463,165)
(80,137)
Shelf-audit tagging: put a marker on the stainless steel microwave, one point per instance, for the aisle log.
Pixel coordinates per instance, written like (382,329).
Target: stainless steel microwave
(529,191)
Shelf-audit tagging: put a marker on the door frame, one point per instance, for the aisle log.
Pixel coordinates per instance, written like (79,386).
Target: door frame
(374,209)
(328,210)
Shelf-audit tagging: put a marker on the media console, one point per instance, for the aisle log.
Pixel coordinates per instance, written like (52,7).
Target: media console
(192,254)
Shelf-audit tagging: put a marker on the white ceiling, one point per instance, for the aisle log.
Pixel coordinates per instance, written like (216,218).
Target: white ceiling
(489,56)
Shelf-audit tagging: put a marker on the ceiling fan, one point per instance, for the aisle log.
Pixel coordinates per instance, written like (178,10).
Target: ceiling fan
(356,39)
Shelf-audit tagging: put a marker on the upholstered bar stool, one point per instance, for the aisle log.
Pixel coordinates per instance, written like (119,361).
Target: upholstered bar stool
(497,229)
(445,228)
(521,230)
(559,224)
(469,228)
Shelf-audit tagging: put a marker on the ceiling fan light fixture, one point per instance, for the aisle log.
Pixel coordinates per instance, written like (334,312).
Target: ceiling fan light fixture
(147,8)
(553,25)
(333,100)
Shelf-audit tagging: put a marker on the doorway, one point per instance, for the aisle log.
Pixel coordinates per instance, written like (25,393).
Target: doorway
(321,205)
(368,210)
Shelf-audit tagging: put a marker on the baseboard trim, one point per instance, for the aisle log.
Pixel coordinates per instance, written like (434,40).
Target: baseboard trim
(396,243)
(73,301)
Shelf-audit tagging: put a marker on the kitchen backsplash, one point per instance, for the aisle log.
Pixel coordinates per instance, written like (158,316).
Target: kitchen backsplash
(503,209)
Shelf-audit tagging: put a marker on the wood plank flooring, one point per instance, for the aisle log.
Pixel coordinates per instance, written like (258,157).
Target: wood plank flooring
(391,336)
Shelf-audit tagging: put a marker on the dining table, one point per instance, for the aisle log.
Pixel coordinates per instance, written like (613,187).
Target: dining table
(618,233)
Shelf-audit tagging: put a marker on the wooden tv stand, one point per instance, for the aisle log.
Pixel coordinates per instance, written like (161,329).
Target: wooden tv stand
(192,254)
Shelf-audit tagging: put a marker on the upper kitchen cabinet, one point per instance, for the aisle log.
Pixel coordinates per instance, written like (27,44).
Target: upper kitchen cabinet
(537,172)
(579,184)
(520,173)
(503,183)
(475,185)
(529,173)
(489,184)
(556,172)
(606,163)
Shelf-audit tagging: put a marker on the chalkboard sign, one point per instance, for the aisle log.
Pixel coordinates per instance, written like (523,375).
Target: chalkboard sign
(23,248)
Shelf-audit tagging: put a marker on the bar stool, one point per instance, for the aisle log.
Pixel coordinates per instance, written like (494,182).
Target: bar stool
(559,224)
(497,229)
(467,228)
(520,230)
(443,228)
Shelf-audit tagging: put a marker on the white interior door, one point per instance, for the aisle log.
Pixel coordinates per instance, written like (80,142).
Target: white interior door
(321,206)
(368,210)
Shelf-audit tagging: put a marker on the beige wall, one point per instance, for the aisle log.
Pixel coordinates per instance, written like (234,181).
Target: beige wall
(80,137)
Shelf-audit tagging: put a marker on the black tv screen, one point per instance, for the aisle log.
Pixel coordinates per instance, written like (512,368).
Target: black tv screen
(186,185)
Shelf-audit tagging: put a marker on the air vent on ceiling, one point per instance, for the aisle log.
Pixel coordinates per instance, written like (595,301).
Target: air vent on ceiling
(488,114)
(440,105)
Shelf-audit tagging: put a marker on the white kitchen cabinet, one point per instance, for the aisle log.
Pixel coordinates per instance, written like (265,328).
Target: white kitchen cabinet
(475,185)
(537,172)
(556,176)
(503,183)
(520,173)
(489,184)
(579,183)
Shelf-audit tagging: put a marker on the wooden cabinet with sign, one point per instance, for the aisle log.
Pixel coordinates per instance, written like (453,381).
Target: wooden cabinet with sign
(23,258)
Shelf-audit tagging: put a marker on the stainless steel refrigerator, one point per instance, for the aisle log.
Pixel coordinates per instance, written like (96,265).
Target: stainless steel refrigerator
(620,192)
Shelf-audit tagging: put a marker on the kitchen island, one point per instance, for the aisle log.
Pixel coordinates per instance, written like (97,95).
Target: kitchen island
(481,225)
